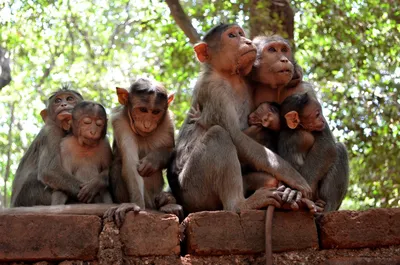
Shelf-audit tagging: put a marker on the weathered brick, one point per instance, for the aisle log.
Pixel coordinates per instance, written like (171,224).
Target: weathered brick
(48,237)
(363,261)
(150,234)
(223,232)
(351,229)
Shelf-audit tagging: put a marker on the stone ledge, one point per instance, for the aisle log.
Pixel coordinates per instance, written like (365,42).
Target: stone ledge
(49,237)
(360,229)
(149,234)
(224,233)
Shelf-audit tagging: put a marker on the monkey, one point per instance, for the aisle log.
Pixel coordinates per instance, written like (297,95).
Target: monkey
(86,153)
(303,123)
(143,142)
(271,83)
(205,170)
(264,125)
(40,170)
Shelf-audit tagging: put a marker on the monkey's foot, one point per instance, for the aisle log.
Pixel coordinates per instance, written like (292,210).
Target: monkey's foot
(260,199)
(117,213)
(320,205)
(173,209)
(164,198)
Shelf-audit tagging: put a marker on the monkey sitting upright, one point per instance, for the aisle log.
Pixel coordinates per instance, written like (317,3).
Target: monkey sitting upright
(143,142)
(41,166)
(302,124)
(86,153)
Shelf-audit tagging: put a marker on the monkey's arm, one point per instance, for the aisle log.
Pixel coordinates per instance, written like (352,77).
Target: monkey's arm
(288,147)
(100,180)
(129,151)
(320,158)
(221,111)
(50,169)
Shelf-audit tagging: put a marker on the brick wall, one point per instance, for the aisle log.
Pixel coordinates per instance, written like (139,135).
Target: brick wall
(76,234)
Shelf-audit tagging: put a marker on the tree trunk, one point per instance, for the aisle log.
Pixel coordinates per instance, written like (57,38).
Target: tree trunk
(7,173)
(268,17)
(5,71)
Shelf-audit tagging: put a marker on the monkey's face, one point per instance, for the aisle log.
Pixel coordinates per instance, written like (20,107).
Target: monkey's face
(89,129)
(146,116)
(237,53)
(275,67)
(265,115)
(312,118)
(62,102)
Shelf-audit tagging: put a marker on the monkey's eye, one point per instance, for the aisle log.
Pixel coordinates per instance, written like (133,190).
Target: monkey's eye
(155,112)
(241,33)
(142,109)
(285,49)
(231,35)
(70,98)
(87,121)
(271,49)
(318,113)
(58,100)
(99,123)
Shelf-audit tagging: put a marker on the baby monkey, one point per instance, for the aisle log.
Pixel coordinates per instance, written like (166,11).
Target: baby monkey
(264,125)
(290,131)
(86,153)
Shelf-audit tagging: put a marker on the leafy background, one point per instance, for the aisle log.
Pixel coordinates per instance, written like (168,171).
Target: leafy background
(348,49)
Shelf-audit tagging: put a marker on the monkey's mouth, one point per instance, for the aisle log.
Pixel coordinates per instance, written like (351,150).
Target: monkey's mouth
(249,51)
(285,71)
(66,111)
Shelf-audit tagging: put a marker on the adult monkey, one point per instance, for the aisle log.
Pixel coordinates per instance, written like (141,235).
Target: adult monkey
(205,172)
(40,169)
(326,158)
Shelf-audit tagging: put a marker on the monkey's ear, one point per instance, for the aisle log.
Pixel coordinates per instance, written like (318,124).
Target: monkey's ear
(292,119)
(201,51)
(123,96)
(44,113)
(171,98)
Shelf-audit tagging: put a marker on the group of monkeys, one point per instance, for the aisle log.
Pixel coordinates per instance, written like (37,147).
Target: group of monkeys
(254,137)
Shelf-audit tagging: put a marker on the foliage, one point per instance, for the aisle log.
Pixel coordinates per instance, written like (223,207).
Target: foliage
(349,49)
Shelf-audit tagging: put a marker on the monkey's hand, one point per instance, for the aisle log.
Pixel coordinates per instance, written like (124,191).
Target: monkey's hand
(146,167)
(252,131)
(89,190)
(118,213)
(194,114)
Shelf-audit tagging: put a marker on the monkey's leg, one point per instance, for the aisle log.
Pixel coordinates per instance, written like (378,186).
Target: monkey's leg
(255,180)
(211,178)
(58,198)
(333,187)
(33,192)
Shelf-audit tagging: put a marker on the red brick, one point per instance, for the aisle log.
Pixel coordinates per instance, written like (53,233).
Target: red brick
(150,234)
(351,229)
(223,232)
(48,237)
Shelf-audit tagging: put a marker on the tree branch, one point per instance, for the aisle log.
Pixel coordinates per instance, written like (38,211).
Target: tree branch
(183,21)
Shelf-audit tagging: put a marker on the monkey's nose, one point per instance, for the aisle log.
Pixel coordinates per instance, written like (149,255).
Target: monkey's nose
(92,132)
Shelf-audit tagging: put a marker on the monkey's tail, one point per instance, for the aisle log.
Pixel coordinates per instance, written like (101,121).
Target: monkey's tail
(269,213)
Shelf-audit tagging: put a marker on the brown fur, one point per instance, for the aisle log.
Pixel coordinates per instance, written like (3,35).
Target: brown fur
(40,169)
